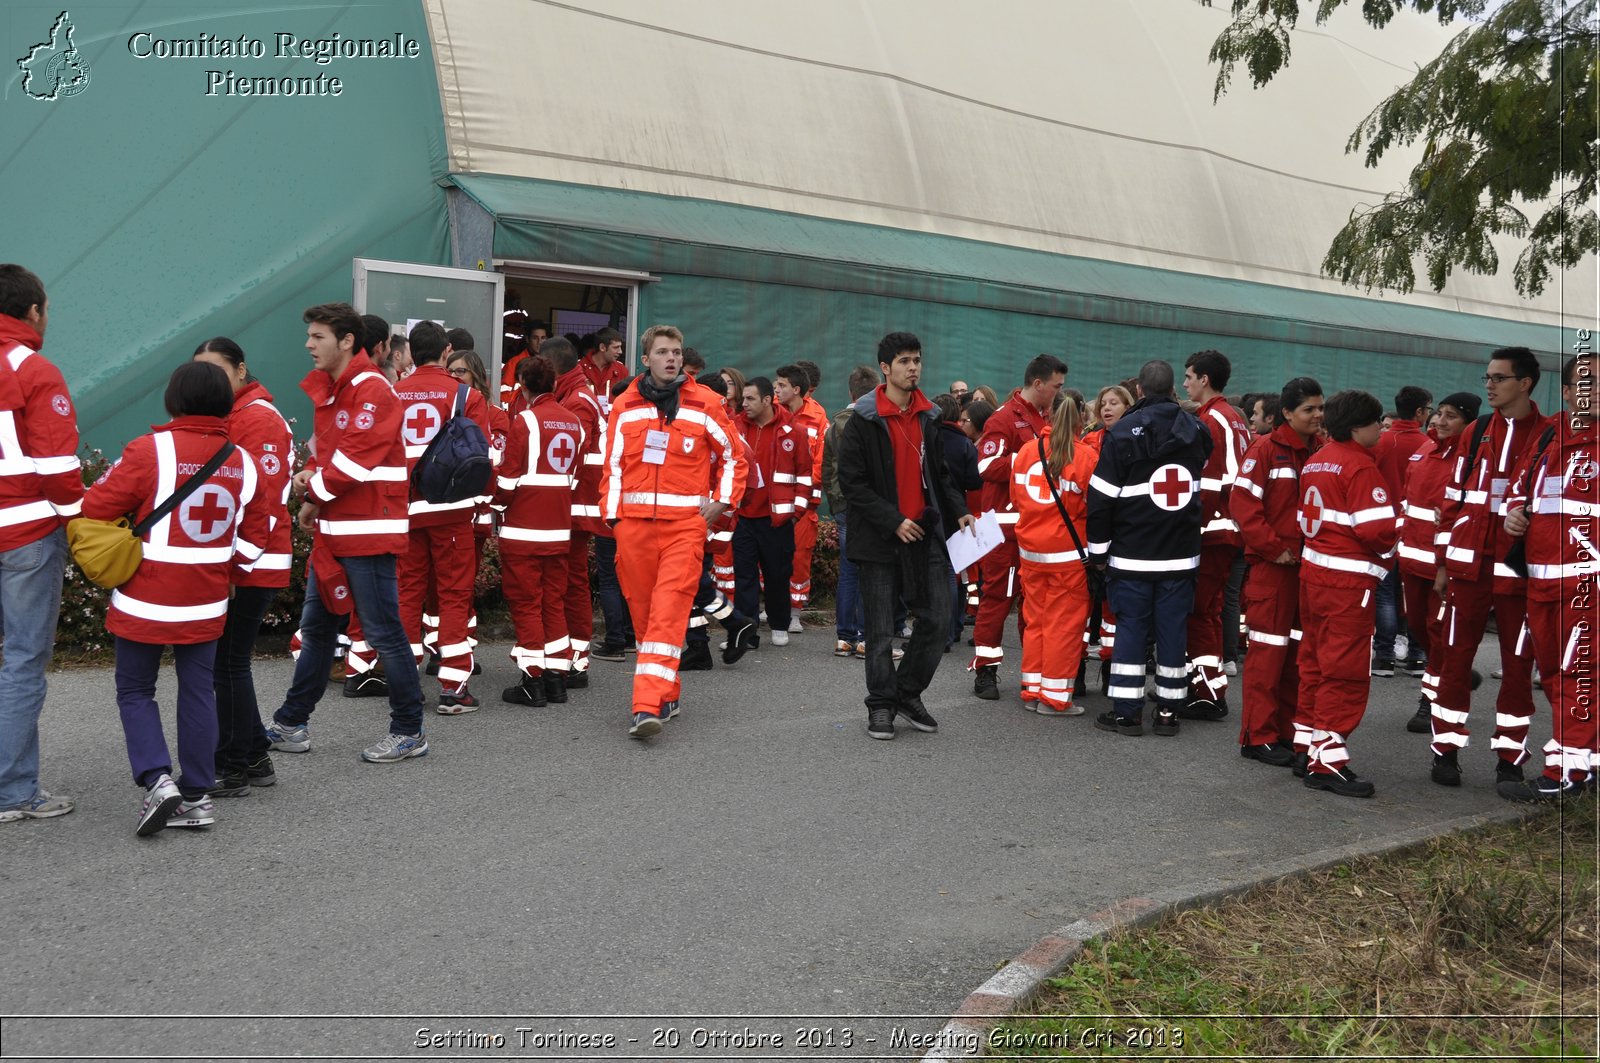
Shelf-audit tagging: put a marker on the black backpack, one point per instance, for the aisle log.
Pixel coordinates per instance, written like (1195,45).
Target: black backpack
(456,465)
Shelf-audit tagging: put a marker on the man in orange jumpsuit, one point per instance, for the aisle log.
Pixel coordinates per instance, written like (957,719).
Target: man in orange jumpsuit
(672,468)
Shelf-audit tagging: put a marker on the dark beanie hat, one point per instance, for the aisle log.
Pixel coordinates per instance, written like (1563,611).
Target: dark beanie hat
(1465,401)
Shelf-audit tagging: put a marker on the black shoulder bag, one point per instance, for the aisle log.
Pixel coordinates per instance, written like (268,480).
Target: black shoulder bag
(1092,572)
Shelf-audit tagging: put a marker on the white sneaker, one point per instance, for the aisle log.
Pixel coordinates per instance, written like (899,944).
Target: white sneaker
(843,648)
(780,638)
(159,802)
(794,625)
(201,813)
(1229,668)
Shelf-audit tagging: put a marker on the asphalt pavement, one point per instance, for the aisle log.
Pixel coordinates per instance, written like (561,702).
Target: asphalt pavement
(761,858)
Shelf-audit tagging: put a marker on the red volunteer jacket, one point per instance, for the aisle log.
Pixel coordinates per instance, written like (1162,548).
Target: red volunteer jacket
(1393,453)
(573,392)
(1042,539)
(600,380)
(1561,489)
(699,458)
(1229,438)
(1265,500)
(358,461)
(537,479)
(41,478)
(814,419)
(1346,518)
(1427,474)
(179,594)
(780,463)
(1475,497)
(427,400)
(1010,429)
(483,506)
(257,428)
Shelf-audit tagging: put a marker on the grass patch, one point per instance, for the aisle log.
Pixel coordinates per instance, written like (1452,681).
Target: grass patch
(1475,945)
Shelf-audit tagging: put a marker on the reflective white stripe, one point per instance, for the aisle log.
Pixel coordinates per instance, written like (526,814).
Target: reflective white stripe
(538,479)
(1221,524)
(1458,553)
(377,474)
(1474,497)
(1283,473)
(1502,719)
(1127,669)
(594,457)
(1269,640)
(664,649)
(1139,564)
(1006,518)
(783,507)
(993,653)
(984,463)
(1171,693)
(1421,513)
(669,674)
(1412,553)
(52,466)
(26,512)
(273,563)
(783,478)
(1251,486)
(1100,548)
(1572,648)
(455,649)
(186,555)
(1342,564)
(1449,715)
(1050,559)
(176,614)
(363,527)
(535,535)
(1503,569)
(1365,516)
(1104,487)
(652,498)
(594,511)
(72,510)
(456,676)
(1208,483)
(1173,671)
(421,506)
(1569,506)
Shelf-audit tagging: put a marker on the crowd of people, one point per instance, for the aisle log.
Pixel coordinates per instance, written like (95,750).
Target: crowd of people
(1282,539)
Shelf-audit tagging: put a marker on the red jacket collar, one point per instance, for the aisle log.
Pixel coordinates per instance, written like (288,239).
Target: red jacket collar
(206,426)
(573,380)
(919,403)
(1290,438)
(14,331)
(322,388)
(250,393)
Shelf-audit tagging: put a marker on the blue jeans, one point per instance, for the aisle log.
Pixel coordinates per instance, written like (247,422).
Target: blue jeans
(376,591)
(619,625)
(30,602)
(1139,605)
(1388,615)
(847,596)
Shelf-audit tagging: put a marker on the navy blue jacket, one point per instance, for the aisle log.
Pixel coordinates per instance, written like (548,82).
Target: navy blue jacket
(1144,497)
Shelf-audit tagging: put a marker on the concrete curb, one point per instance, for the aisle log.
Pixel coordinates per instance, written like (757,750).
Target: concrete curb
(1017,982)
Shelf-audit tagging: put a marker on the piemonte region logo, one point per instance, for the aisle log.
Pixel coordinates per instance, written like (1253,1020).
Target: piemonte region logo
(55,68)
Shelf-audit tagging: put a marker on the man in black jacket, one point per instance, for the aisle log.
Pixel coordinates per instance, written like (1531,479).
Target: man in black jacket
(900,506)
(1144,524)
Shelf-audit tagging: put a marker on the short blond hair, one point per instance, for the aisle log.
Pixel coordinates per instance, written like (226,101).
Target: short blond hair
(650,335)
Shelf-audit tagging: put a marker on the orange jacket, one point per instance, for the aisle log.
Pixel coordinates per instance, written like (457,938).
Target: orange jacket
(1042,539)
(658,469)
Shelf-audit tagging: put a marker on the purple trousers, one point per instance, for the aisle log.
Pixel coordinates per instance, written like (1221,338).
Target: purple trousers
(137,665)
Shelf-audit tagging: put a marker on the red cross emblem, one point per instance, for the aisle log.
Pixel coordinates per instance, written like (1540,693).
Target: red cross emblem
(560,452)
(1038,486)
(1311,512)
(1171,487)
(206,514)
(421,423)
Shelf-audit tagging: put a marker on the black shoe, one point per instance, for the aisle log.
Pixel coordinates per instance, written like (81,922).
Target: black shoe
(1421,721)
(1543,788)
(918,716)
(1477,679)
(555,688)
(1110,721)
(1203,710)
(1081,684)
(366,685)
(644,725)
(1446,769)
(880,723)
(741,642)
(432,667)
(232,783)
(1383,666)
(577,680)
(1276,754)
(260,773)
(696,658)
(1344,783)
(670,710)
(607,652)
(1505,771)
(986,684)
(1300,765)
(1417,666)
(477,668)
(1166,724)
(529,692)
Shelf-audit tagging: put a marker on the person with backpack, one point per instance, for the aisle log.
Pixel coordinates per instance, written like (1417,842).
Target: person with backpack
(199,509)
(354,487)
(440,556)
(1473,578)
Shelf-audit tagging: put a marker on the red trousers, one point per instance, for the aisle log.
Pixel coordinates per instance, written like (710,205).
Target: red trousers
(1000,588)
(1335,668)
(535,587)
(1424,624)
(1466,615)
(579,600)
(658,567)
(430,608)
(722,563)
(440,564)
(805,544)
(1055,600)
(1207,680)
(1564,645)
(1272,668)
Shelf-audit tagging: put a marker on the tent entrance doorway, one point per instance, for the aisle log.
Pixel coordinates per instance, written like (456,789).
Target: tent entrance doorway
(577,301)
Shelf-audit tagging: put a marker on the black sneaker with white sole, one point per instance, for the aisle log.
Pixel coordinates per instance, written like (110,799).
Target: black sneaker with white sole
(917,715)
(366,685)
(880,724)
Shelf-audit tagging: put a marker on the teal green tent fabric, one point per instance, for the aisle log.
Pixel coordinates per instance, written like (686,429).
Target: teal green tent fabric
(754,288)
(159,216)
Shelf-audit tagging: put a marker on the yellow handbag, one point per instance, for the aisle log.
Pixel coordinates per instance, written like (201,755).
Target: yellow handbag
(109,551)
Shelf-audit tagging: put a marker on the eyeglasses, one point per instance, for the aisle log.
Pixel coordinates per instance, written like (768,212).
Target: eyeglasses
(462,371)
(1498,378)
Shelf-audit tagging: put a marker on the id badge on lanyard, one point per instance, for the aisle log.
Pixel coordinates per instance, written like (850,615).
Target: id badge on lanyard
(655,447)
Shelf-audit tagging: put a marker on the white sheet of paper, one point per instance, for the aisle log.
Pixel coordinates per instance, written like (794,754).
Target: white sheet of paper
(966,548)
